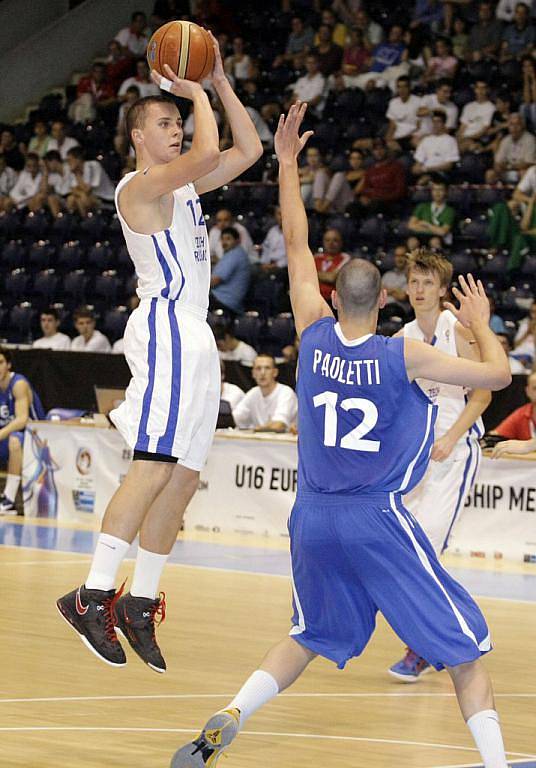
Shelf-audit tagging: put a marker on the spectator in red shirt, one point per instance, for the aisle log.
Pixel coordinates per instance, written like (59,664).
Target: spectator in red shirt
(384,182)
(329,261)
(521,424)
(95,94)
(118,65)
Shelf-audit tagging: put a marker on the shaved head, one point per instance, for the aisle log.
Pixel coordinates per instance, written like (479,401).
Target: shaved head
(358,287)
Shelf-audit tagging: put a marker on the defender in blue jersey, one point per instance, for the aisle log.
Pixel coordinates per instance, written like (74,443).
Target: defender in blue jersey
(365,431)
(18,403)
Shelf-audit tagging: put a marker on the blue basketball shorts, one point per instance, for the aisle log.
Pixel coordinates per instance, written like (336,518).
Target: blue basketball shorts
(4,446)
(352,557)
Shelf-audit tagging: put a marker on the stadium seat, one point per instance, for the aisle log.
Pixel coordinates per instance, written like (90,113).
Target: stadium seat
(22,321)
(266,295)
(70,256)
(464,262)
(374,230)
(495,267)
(16,283)
(390,326)
(45,285)
(41,254)
(247,328)
(107,286)
(384,260)
(14,254)
(92,227)
(35,224)
(99,256)
(476,230)
(63,227)
(281,330)
(115,321)
(9,224)
(75,286)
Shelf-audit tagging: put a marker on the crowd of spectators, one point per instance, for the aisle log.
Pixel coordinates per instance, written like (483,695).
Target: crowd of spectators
(423,115)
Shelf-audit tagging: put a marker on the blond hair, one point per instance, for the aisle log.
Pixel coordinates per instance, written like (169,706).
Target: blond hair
(426,260)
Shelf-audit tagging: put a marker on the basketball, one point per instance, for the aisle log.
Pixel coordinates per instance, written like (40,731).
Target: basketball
(185,47)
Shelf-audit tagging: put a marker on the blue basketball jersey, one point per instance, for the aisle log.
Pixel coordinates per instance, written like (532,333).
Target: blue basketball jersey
(7,401)
(363,427)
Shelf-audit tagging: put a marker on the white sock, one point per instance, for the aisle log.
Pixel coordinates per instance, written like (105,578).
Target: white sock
(12,487)
(488,738)
(256,691)
(108,556)
(147,573)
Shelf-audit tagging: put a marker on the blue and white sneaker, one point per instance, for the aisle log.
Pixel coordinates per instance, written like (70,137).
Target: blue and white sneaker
(411,668)
(7,507)
(215,737)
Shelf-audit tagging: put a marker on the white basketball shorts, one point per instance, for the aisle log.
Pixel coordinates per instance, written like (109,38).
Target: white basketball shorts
(172,402)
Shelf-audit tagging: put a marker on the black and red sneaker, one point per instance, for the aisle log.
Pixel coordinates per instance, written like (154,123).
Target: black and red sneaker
(91,613)
(135,620)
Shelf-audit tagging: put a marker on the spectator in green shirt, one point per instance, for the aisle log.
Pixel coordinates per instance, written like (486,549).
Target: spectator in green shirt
(435,217)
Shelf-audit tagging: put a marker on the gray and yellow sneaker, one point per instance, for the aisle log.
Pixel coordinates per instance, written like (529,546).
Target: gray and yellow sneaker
(215,737)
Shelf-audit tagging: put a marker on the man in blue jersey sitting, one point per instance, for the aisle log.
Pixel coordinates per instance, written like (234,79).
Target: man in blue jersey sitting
(18,403)
(365,435)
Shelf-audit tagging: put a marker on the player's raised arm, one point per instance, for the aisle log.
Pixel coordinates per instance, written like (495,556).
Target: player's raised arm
(308,305)
(423,361)
(178,170)
(247,147)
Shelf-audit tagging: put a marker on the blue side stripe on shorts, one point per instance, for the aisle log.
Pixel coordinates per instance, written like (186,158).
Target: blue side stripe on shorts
(142,443)
(462,492)
(165,442)
(168,277)
(173,249)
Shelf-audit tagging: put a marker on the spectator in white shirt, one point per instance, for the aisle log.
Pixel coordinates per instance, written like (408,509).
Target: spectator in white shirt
(88,183)
(311,87)
(59,139)
(402,115)
(436,153)
(232,349)
(270,406)
(516,153)
(225,219)
(118,347)
(524,191)
(142,80)
(440,100)
(121,140)
(314,179)
(133,39)
(26,193)
(475,119)
(52,338)
(239,64)
(395,280)
(54,184)
(506,9)
(516,366)
(231,393)
(89,340)
(8,179)
(273,249)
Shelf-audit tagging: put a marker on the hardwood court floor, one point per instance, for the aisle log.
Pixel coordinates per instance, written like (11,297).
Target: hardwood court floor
(60,706)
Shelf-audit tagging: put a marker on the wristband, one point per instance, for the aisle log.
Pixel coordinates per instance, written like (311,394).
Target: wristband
(166,84)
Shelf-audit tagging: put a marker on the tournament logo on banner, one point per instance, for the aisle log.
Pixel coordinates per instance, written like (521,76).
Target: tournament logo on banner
(39,490)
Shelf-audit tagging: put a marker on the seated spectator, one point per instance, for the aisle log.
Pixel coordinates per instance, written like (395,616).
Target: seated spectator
(239,64)
(328,53)
(88,184)
(355,57)
(395,280)
(427,13)
(372,32)
(18,403)
(90,339)
(55,183)
(134,38)
(231,393)
(121,140)
(231,276)
(498,128)
(10,149)
(8,178)
(118,64)
(27,193)
(525,339)
(460,39)
(519,36)
(59,139)
(521,424)
(516,366)
(383,183)
(435,217)
(188,126)
(389,62)
(299,42)
(52,338)
(496,323)
(329,261)
(314,179)
(142,80)
(273,249)
(225,219)
(232,349)
(338,30)
(270,406)
(95,94)
(311,87)
(40,141)
(261,126)
(475,119)
(442,64)
(515,155)
(485,36)
(528,107)
(343,186)
(402,114)
(505,9)
(524,191)
(438,101)
(437,152)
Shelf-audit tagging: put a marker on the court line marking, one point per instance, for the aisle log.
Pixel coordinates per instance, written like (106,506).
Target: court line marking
(278,734)
(475,765)
(186,696)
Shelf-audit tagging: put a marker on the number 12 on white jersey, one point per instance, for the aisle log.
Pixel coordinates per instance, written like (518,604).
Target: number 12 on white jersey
(352,440)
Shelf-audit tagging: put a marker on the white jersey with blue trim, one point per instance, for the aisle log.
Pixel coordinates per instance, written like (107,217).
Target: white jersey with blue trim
(173,263)
(451,399)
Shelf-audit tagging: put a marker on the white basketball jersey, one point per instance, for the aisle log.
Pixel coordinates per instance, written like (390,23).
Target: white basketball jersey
(174,263)
(451,399)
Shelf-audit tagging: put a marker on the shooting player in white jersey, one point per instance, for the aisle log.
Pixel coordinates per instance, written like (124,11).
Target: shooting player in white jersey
(171,407)
(438,499)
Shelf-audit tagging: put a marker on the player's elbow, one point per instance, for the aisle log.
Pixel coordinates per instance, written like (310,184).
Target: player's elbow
(502,377)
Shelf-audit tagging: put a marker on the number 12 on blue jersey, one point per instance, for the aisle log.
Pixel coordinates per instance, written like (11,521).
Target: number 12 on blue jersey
(352,441)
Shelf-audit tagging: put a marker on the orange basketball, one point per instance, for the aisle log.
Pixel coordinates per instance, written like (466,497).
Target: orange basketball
(185,47)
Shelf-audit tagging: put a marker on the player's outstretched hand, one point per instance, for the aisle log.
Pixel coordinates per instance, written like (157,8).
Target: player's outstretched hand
(288,142)
(474,304)
(186,89)
(513,446)
(218,72)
